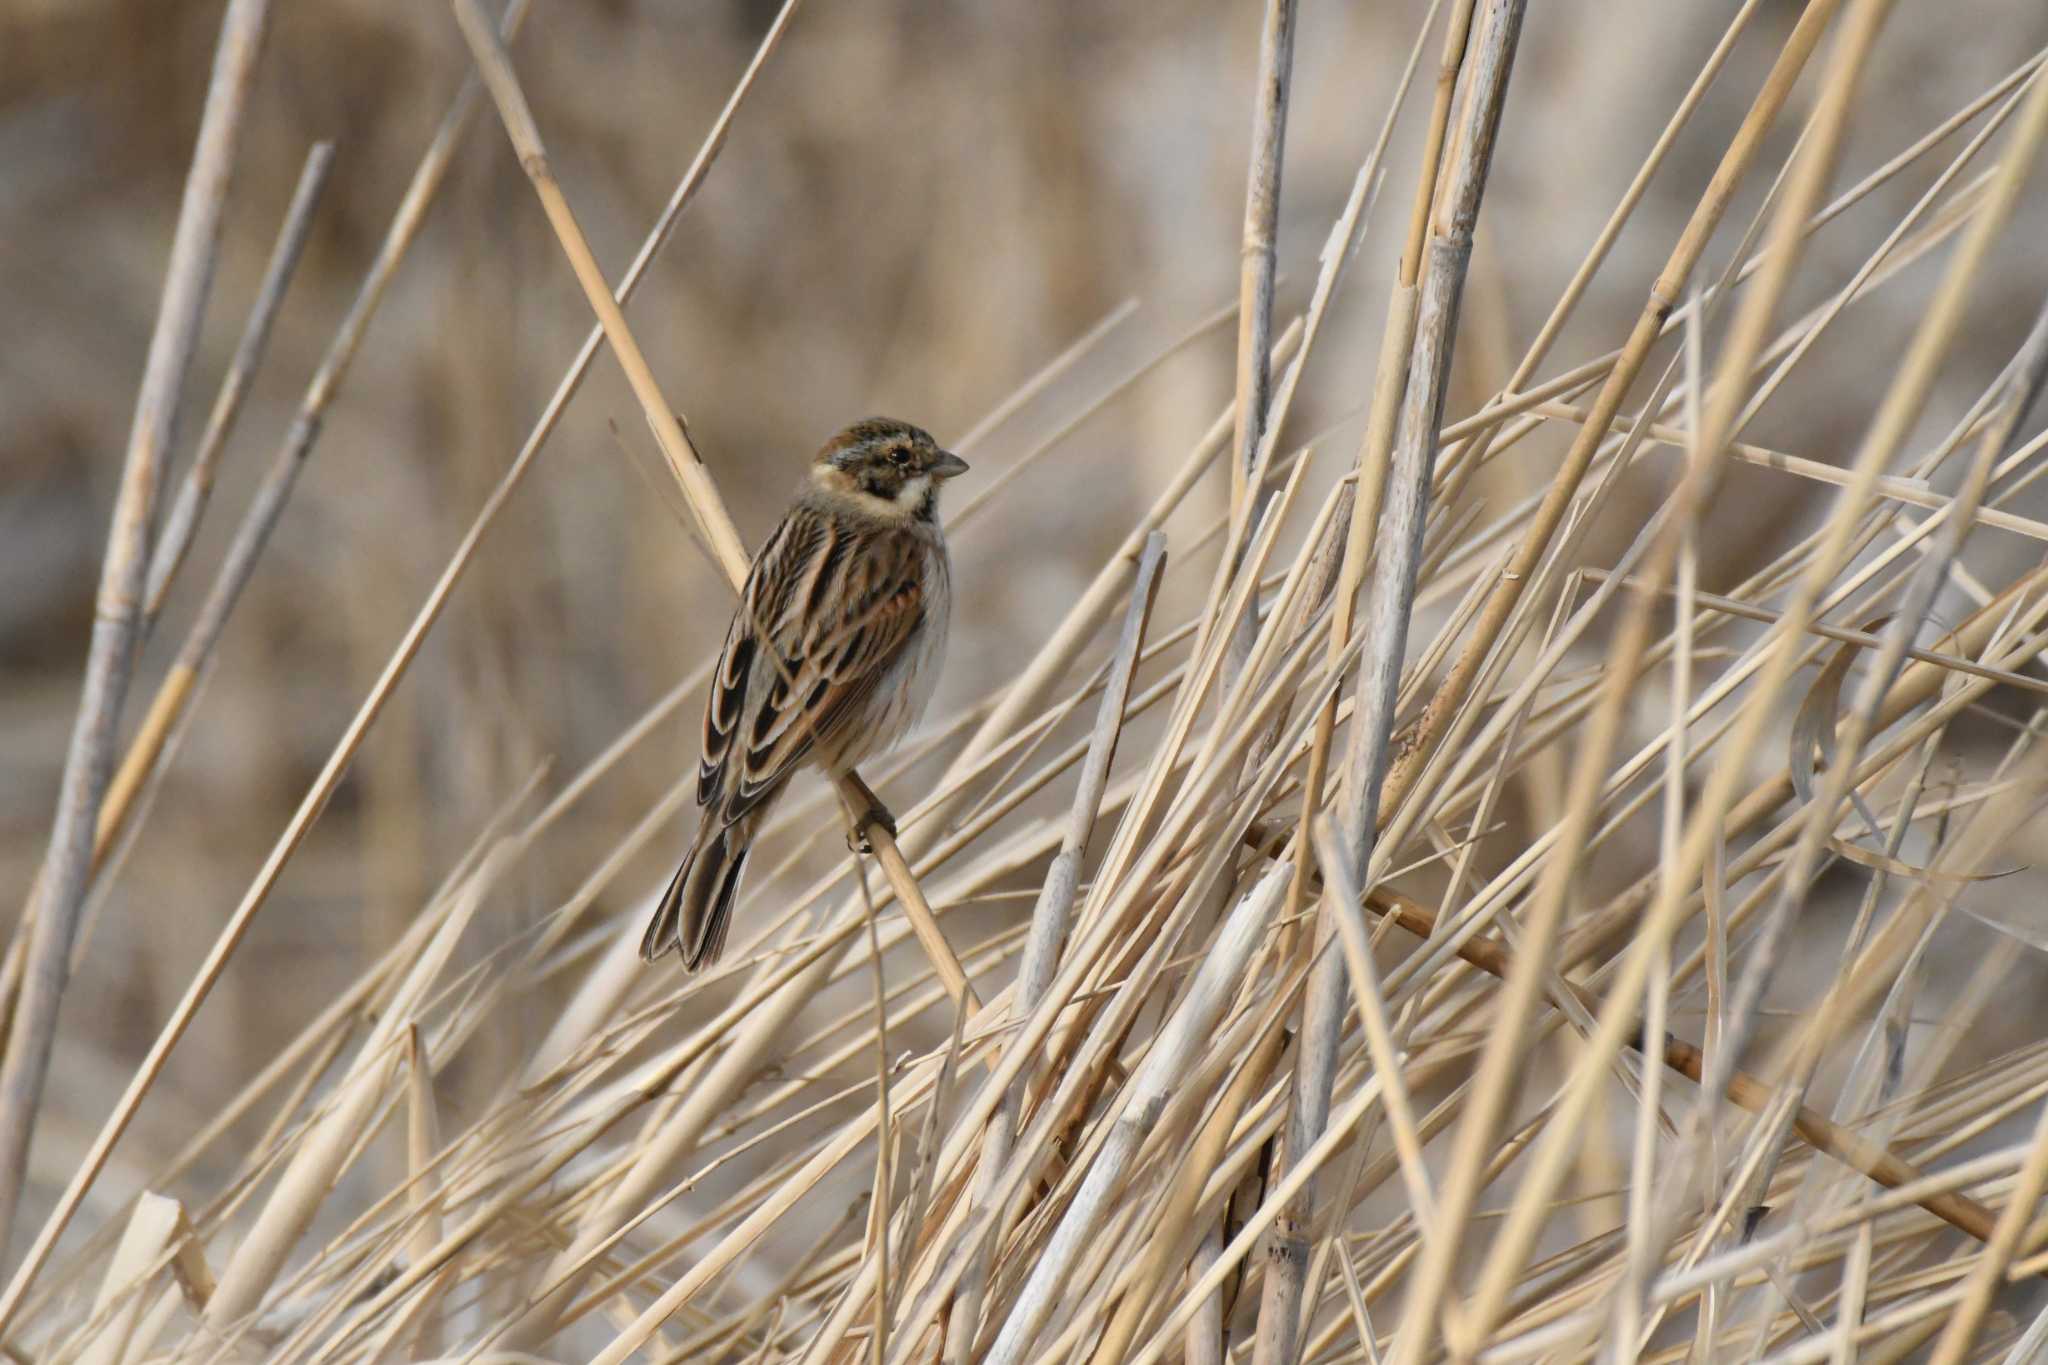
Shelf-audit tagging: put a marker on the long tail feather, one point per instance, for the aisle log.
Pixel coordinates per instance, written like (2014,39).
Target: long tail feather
(696,910)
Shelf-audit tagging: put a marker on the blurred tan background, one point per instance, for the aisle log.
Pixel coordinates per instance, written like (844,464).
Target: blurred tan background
(922,204)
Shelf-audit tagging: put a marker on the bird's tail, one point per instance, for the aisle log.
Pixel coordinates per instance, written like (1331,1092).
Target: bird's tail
(697,907)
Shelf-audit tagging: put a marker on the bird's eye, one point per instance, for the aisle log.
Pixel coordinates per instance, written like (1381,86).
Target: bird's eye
(900,455)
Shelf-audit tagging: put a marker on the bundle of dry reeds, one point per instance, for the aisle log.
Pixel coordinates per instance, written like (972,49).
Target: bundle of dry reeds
(1270,971)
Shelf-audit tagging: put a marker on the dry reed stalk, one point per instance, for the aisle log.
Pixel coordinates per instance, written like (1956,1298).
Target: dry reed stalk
(1490,59)
(179,689)
(119,610)
(197,488)
(1376,448)
(1907,491)
(1916,686)
(1645,752)
(176,692)
(1743,1090)
(1228,955)
(2017,392)
(183,521)
(842,1145)
(1471,753)
(1341,890)
(1664,294)
(1342,1121)
(595,1116)
(1050,918)
(150,1231)
(1204,1157)
(1502,1059)
(1846,743)
(1336,252)
(1274,64)
(1254,388)
(1888,431)
(422,1141)
(1256,260)
(1108,1028)
(1750,1093)
(306,1183)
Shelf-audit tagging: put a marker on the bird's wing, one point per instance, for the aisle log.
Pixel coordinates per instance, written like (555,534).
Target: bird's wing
(827,609)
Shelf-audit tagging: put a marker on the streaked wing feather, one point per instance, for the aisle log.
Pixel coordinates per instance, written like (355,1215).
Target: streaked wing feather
(762,604)
(839,605)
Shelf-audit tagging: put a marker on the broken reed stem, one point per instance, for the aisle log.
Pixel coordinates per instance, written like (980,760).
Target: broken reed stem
(495,67)
(1490,61)
(118,611)
(1049,922)
(118,1306)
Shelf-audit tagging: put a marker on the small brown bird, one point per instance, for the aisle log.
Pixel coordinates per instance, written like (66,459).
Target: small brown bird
(831,656)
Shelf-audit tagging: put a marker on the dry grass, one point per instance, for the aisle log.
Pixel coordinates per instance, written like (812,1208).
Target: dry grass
(1278,959)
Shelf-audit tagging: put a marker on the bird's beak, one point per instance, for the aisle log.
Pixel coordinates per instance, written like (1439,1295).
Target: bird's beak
(949,466)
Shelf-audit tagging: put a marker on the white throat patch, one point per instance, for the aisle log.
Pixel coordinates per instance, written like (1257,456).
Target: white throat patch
(911,496)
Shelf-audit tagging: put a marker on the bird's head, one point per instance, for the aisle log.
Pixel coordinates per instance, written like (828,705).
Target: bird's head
(887,468)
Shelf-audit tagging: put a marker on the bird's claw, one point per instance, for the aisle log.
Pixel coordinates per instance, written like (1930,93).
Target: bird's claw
(857,840)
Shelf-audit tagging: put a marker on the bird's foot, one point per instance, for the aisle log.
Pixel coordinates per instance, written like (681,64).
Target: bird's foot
(875,817)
